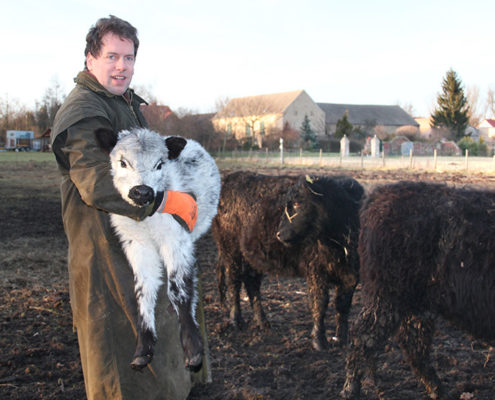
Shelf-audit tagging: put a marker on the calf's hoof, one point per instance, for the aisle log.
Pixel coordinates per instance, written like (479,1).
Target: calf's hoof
(351,391)
(194,363)
(140,362)
(319,343)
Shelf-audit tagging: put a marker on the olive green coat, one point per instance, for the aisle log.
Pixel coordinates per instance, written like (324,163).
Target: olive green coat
(100,280)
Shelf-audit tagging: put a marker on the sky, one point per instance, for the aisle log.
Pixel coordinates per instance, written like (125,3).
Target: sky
(195,54)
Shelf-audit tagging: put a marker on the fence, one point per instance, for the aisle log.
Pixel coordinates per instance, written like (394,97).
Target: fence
(462,164)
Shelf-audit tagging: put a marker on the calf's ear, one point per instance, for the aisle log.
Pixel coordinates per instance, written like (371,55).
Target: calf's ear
(175,145)
(106,139)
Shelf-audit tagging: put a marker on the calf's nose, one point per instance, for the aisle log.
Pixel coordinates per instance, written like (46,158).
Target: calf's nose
(141,195)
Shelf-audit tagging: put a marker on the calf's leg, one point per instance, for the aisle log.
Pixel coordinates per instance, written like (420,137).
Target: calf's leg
(375,324)
(415,338)
(252,282)
(147,268)
(190,335)
(318,302)
(234,283)
(343,301)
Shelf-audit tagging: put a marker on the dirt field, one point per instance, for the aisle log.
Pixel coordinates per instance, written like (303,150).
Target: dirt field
(39,357)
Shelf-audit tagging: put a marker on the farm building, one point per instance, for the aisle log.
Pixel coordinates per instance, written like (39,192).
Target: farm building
(390,119)
(258,116)
(487,130)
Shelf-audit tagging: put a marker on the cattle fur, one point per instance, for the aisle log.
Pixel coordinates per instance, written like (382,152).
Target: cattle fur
(426,250)
(144,163)
(254,237)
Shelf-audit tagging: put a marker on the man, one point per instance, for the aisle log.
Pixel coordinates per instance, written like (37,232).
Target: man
(100,279)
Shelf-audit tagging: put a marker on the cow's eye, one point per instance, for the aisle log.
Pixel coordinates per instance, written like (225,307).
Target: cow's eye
(159,165)
(123,164)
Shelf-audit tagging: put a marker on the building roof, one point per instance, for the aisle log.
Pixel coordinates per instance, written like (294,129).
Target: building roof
(491,122)
(367,114)
(258,105)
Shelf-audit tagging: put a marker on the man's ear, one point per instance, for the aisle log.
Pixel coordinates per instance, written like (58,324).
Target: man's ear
(106,139)
(175,145)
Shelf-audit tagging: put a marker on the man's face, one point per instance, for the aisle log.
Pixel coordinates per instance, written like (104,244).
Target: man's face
(114,66)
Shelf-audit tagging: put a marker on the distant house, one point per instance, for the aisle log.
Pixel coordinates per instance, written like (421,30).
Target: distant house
(424,126)
(368,117)
(487,130)
(258,116)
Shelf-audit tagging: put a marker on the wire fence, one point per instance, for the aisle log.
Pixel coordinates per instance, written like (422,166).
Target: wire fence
(433,163)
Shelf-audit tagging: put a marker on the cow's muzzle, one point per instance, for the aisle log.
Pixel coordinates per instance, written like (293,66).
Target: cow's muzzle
(142,195)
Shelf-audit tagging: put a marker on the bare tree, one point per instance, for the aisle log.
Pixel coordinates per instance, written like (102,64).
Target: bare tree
(476,112)
(490,102)
(14,115)
(146,92)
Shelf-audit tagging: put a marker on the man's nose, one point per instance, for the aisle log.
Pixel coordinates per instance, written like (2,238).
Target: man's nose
(120,64)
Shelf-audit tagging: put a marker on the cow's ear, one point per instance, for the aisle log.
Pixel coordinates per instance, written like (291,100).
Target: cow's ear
(312,185)
(106,139)
(175,145)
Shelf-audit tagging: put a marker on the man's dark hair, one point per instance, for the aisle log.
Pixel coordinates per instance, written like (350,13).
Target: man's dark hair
(114,25)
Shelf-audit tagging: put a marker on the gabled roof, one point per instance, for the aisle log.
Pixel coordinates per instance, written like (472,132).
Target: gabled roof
(258,105)
(367,114)
(491,122)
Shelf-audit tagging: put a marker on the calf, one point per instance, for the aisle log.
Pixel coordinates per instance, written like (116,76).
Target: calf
(146,166)
(289,226)
(426,250)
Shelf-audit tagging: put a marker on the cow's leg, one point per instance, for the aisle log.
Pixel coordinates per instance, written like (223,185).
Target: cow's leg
(343,301)
(182,293)
(415,337)
(252,282)
(147,268)
(234,283)
(144,348)
(375,324)
(318,302)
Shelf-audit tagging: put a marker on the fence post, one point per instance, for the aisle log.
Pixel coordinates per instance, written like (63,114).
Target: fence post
(383,158)
(410,158)
(281,146)
(466,159)
(362,159)
(300,155)
(321,153)
(435,160)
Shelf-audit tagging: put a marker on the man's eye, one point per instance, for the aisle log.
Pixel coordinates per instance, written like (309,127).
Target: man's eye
(130,58)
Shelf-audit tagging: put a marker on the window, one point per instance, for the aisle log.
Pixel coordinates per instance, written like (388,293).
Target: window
(262,128)
(229,129)
(248,130)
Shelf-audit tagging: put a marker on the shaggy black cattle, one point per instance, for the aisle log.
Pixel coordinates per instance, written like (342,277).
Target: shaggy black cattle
(426,250)
(289,226)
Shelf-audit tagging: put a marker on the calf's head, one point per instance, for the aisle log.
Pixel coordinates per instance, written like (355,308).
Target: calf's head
(299,218)
(140,162)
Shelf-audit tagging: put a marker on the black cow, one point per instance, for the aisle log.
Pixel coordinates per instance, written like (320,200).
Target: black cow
(425,250)
(294,227)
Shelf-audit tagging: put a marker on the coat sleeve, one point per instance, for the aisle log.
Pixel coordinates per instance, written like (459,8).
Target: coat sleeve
(89,170)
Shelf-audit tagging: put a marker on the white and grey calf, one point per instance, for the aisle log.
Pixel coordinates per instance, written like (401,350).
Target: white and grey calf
(143,164)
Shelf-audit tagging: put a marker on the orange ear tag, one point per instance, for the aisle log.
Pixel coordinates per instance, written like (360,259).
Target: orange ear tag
(183,207)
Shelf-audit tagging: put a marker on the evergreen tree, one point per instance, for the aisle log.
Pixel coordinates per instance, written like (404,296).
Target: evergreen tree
(452,111)
(343,127)
(308,137)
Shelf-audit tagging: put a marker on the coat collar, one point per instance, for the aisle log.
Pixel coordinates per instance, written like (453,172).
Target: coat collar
(86,78)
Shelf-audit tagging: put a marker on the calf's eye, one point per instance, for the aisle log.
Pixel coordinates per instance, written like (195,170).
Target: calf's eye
(123,164)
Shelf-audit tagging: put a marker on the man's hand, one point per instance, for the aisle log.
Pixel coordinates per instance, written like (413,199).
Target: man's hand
(182,206)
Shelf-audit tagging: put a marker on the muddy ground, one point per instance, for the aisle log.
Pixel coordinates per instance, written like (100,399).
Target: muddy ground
(38,350)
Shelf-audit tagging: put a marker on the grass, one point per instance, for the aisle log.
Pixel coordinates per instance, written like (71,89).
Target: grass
(22,156)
